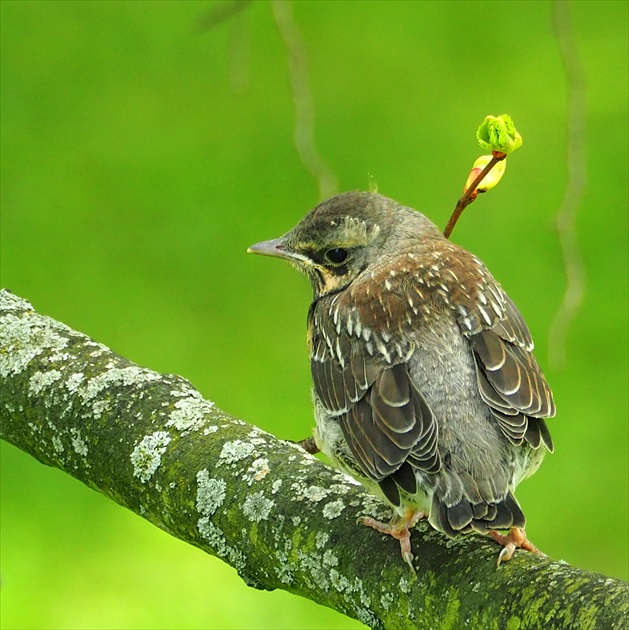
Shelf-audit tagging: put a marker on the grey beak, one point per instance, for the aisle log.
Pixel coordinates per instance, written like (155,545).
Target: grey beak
(274,248)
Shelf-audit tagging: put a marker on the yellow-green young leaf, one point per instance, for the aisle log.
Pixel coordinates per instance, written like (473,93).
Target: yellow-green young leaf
(491,179)
(498,133)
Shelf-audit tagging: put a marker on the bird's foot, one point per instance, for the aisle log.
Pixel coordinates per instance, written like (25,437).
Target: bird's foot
(400,528)
(515,539)
(309,445)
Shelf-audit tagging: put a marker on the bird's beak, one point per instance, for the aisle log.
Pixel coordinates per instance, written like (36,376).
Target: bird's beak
(274,248)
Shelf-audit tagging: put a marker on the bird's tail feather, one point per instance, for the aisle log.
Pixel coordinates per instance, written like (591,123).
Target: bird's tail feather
(465,516)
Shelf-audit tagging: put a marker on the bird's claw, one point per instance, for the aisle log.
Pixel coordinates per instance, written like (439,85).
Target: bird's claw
(515,539)
(400,530)
(506,553)
(408,558)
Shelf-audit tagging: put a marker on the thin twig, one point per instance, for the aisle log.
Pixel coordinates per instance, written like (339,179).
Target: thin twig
(302,99)
(232,10)
(470,193)
(573,195)
(221,12)
(239,76)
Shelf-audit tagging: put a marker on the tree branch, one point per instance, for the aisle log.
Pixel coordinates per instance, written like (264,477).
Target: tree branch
(281,518)
(566,219)
(304,135)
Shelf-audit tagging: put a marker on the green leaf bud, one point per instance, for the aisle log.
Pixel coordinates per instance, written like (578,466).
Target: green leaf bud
(498,133)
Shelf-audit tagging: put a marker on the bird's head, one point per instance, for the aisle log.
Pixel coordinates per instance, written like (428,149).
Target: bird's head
(343,236)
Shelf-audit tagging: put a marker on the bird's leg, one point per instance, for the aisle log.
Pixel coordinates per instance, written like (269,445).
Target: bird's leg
(400,528)
(309,445)
(515,539)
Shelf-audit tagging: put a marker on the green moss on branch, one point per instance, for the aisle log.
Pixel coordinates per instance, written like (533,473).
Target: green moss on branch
(280,517)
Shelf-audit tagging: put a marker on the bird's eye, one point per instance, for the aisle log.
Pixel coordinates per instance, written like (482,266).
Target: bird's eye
(336,255)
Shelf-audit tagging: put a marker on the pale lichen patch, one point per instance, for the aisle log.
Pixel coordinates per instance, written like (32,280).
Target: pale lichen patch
(257,433)
(258,441)
(404,585)
(285,571)
(279,521)
(258,470)
(277,484)
(186,392)
(329,558)
(147,455)
(78,443)
(127,376)
(339,581)
(40,380)
(310,564)
(288,545)
(371,504)
(344,478)
(321,539)
(257,507)
(210,493)
(312,493)
(210,532)
(190,414)
(386,600)
(99,408)
(333,509)
(57,444)
(351,592)
(235,451)
(100,349)
(216,539)
(365,600)
(337,488)
(368,618)
(74,381)
(24,337)
(12,302)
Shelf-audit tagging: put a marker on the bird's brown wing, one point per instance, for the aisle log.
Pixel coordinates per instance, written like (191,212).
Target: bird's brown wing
(383,417)
(509,378)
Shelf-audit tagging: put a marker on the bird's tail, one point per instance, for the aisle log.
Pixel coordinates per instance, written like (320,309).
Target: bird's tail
(465,516)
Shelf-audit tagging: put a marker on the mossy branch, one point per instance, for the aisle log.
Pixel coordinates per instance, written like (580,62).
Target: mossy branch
(281,518)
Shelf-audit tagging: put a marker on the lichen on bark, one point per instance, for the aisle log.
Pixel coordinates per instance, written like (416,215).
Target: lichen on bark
(280,517)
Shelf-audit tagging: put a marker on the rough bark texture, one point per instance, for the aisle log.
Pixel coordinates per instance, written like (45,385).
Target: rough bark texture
(280,517)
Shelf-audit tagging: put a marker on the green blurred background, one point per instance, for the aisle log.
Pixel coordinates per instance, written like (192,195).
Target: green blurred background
(134,178)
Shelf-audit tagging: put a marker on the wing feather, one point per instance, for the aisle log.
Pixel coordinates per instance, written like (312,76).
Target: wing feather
(509,378)
(384,419)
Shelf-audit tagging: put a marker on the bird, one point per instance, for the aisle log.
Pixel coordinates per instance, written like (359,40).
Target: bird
(425,386)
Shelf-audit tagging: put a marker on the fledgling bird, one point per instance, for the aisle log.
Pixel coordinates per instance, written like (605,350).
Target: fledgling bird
(425,387)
